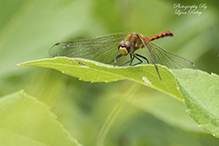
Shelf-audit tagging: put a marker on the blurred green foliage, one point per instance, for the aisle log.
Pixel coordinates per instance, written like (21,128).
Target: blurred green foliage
(119,113)
(26,121)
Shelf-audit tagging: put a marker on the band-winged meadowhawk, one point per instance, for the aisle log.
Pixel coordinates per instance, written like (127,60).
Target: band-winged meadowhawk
(113,48)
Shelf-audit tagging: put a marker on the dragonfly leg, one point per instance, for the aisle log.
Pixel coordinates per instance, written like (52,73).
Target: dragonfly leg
(131,59)
(140,61)
(135,55)
(142,57)
(116,57)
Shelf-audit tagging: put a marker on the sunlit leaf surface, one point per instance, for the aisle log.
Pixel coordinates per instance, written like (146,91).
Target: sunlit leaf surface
(26,121)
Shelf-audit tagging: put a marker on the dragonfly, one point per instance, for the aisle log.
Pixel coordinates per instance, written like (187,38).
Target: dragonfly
(121,50)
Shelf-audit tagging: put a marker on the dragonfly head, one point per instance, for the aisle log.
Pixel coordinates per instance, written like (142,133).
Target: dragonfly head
(125,47)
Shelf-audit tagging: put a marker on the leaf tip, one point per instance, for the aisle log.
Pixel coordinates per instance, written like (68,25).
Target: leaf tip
(20,64)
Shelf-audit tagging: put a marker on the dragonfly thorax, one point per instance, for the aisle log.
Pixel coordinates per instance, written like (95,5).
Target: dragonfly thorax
(131,44)
(136,41)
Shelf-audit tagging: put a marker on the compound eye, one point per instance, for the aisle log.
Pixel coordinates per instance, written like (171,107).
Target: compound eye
(128,44)
(121,44)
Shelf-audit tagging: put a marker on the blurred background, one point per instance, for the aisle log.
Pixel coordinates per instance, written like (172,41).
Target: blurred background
(119,113)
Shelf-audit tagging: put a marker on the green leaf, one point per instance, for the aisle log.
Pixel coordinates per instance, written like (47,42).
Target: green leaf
(26,121)
(200,93)
(87,70)
(201,98)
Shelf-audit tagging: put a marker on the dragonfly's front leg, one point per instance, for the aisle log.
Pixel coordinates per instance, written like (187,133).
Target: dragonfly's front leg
(116,57)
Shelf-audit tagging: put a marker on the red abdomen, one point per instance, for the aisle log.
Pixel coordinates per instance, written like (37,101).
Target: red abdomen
(160,35)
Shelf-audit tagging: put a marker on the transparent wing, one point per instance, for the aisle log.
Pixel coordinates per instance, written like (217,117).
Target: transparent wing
(178,64)
(102,49)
